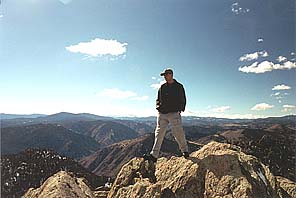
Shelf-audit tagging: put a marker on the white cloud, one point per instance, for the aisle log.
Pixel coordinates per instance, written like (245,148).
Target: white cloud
(255,68)
(267,66)
(277,93)
(236,9)
(116,93)
(253,56)
(141,98)
(157,85)
(285,65)
(292,53)
(241,116)
(65,1)
(99,47)
(264,54)
(260,40)
(262,106)
(1,15)
(281,59)
(120,110)
(153,78)
(51,106)
(221,109)
(288,108)
(221,115)
(209,107)
(281,87)
(103,108)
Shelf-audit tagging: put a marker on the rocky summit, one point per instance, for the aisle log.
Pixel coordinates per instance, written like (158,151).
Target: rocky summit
(216,170)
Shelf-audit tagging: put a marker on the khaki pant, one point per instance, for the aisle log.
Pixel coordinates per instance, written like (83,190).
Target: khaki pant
(177,130)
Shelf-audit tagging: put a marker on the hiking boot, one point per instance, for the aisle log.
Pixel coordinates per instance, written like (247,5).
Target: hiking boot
(185,154)
(149,157)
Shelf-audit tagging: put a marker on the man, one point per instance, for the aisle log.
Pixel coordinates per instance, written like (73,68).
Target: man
(171,100)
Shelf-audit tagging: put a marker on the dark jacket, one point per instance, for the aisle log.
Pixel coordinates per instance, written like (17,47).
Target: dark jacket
(171,98)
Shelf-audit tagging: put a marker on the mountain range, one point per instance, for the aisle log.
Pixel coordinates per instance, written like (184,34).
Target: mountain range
(50,136)
(64,117)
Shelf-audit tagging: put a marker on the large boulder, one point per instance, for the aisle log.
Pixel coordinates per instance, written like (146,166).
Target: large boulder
(216,170)
(61,184)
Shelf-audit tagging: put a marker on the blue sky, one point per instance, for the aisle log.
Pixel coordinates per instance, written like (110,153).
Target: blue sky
(236,59)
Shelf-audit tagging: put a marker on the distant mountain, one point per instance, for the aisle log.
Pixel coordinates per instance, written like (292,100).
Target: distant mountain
(213,121)
(188,119)
(289,120)
(143,119)
(139,126)
(51,136)
(195,132)
(104,132)
(30,168)
(58,118)
(108,161)
(13,116)
(64,116)
(274,146)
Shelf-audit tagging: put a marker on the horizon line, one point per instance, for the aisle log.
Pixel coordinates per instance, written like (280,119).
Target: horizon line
(117,116)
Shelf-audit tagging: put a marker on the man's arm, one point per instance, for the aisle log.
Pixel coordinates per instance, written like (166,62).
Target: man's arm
(182,98)
(158,99)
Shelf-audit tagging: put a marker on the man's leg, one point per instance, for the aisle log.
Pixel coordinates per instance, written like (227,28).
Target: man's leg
(162,123)
(177,131)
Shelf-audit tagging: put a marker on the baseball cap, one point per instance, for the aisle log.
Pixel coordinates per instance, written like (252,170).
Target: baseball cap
(168,70)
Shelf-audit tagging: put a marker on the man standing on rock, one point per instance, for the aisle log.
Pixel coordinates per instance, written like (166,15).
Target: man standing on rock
(171,100)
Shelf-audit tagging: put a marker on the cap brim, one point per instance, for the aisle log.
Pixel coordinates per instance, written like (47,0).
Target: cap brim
(162,74)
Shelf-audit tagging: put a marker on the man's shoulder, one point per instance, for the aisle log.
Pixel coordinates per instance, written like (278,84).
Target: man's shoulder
(178,83)
(162,85)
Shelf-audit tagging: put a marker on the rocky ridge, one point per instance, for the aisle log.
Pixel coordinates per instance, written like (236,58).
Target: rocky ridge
(216,170)
(274,146)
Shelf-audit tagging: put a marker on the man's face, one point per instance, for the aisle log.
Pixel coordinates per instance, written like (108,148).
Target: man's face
(168,76)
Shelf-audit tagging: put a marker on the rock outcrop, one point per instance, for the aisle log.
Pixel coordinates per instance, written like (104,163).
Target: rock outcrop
(274,146)
(61,184)
(216,170)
